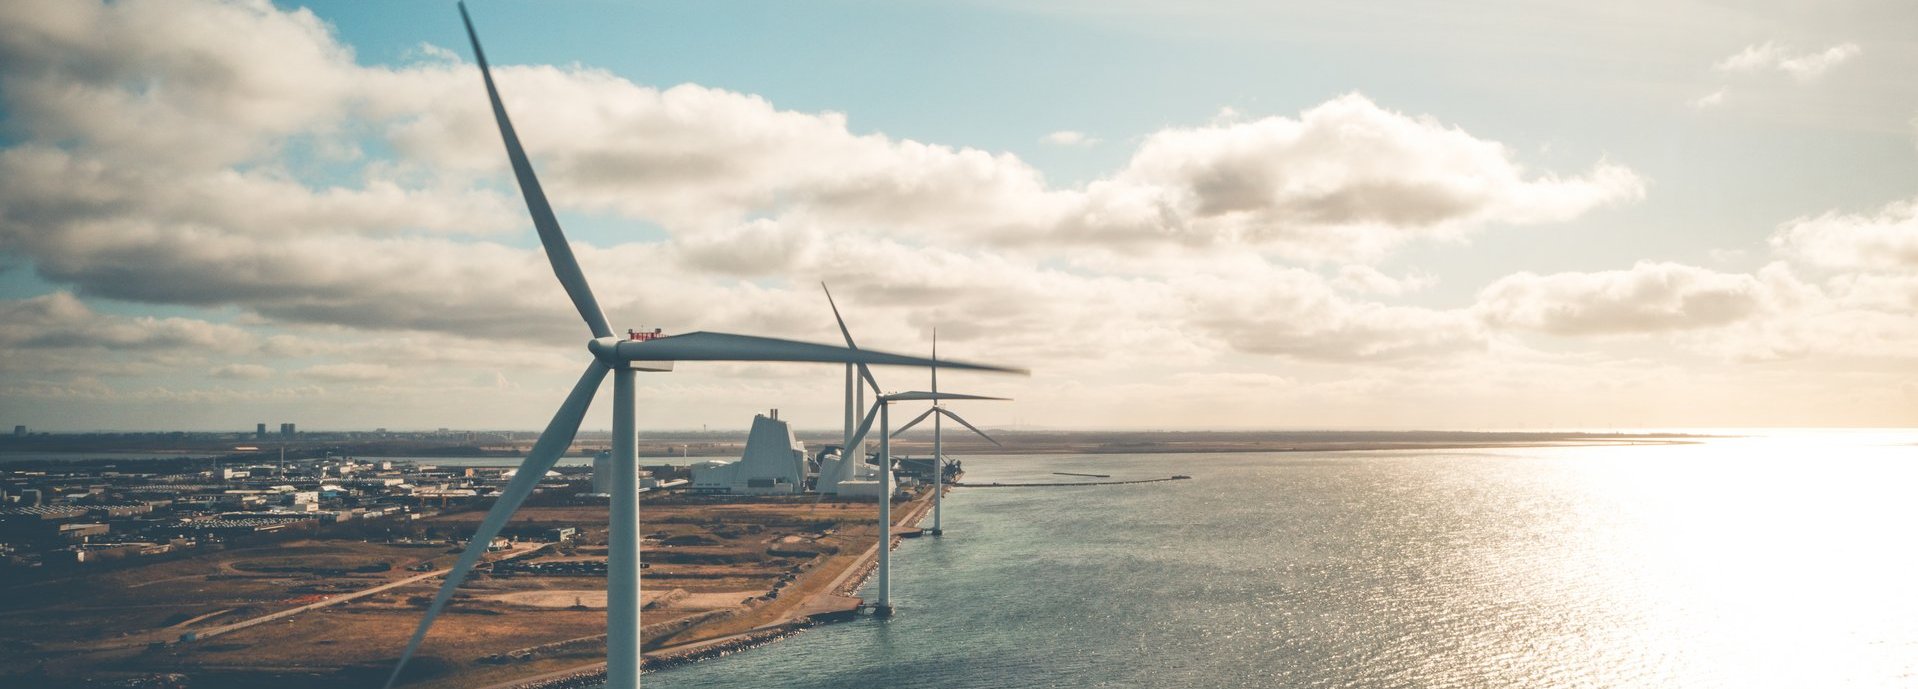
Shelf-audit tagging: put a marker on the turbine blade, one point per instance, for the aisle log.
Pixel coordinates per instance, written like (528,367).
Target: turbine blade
(705,346)
(855,451)
(935,357)
(551,444)
(863,371)
(923,396)
(951,415)
(558,251)
(914,422)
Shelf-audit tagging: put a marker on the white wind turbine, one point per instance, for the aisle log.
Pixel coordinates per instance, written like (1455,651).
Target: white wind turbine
(938,433)
(622,358)
(883,607)
(851,460)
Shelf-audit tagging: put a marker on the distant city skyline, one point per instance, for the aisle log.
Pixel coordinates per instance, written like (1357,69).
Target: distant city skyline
(1379,214)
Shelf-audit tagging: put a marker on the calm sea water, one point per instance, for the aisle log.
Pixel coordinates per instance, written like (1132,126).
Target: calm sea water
(1769,562)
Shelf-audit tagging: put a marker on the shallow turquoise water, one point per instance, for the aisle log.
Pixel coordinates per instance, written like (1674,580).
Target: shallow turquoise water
(1773,562)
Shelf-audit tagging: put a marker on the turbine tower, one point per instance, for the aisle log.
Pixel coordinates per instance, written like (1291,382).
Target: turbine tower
(879,412)
(622,358)
(938,433)
(848,467)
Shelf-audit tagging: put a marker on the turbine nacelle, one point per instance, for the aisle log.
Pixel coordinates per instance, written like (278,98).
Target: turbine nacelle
(606,350)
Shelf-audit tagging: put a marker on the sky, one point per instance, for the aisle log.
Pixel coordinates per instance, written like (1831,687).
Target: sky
(1178,215)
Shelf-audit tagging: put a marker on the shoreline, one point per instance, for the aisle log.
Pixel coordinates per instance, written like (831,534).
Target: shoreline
(861,570)
(824,594)
(847,581)
(101,449)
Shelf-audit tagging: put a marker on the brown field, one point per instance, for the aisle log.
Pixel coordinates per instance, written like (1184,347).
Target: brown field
(718,561)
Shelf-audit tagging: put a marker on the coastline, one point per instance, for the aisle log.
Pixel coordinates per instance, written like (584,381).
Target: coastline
(856,574)
(817,593)
(823,607)
(87,449)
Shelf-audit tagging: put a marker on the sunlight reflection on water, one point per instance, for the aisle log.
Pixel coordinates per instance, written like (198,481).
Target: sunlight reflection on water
(1780,561)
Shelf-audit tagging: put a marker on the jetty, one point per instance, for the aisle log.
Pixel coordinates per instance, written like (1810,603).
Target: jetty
(1066,484)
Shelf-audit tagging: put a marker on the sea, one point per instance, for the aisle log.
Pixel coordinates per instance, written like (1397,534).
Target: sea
(1783,560)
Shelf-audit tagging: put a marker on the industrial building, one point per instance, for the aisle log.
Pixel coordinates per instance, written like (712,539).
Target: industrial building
(649,477)
(603,473)
(920,469)
(862,473)
(774,463)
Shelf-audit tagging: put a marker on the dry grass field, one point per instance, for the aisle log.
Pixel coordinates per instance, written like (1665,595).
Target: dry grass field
(730,566)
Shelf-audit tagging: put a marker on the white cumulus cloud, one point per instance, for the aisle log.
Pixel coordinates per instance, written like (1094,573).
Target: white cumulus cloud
(1710,100)
(1067,137)
(1648,297)
(163,152)
(1805,66)
(1887,239)
(1347,178)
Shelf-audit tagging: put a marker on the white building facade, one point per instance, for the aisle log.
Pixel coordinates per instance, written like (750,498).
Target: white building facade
(774,463)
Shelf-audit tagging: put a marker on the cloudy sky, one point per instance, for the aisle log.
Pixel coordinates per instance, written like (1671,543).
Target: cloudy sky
(1377,213)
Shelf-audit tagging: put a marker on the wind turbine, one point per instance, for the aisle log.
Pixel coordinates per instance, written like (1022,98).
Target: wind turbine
(938,433)
(879,412)
(622,358)
(849,461)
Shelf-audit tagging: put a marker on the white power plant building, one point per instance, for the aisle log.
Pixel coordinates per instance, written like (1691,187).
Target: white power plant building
(603,476)
(774,463)
(603,473)
(853,477)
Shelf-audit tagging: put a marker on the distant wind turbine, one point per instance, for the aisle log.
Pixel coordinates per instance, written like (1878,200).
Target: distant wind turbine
(884,402)
(938,433)
(622,358)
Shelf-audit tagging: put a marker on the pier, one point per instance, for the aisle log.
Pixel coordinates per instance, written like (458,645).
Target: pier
(1076,483)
